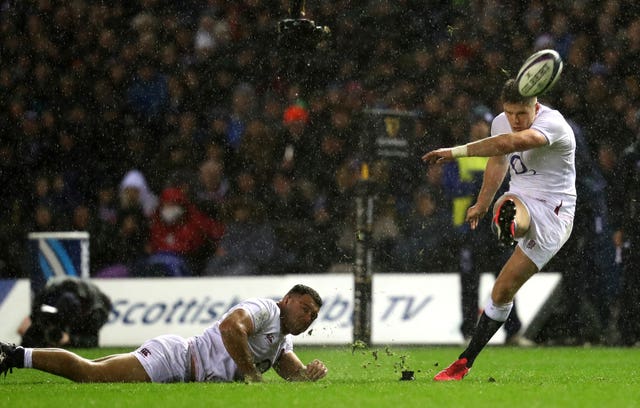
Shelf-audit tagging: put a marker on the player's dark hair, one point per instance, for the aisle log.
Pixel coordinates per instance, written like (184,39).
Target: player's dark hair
(300,289)
(511,94)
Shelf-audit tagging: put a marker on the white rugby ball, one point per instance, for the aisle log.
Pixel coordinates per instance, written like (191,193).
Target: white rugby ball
(539,73)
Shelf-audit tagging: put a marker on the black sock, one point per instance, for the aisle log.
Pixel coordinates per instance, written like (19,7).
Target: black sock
(485,330)
(18,357)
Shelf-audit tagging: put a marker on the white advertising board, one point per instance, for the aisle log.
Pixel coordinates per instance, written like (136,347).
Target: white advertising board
(15,304)
(407,308)
(144,308)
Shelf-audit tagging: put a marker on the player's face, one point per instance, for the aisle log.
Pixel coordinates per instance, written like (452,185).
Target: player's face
(298,312)
(520,116)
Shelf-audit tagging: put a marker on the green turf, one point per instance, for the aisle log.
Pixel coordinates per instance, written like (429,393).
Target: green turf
(502,377)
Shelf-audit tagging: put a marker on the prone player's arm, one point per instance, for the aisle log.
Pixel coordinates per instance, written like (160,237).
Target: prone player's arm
(291,368)
(235,330)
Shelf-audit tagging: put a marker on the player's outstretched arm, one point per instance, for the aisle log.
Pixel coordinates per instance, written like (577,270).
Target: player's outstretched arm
(497,145)
(439,155)
(291,368)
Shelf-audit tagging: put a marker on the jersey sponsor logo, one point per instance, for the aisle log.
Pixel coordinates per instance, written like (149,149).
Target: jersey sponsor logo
(145,352)
(531,244)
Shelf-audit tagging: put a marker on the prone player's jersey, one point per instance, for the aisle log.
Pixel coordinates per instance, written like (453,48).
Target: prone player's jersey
(548,171)
(267,343)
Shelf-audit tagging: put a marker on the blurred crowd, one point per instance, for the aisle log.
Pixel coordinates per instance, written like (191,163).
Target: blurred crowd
(188,143)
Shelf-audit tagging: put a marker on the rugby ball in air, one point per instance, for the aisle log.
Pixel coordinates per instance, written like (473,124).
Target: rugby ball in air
(539,73)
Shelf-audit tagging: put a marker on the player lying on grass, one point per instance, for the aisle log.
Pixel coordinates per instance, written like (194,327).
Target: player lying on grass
(250,338)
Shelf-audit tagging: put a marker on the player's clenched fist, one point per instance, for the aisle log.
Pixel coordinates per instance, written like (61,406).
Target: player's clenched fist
(315,370)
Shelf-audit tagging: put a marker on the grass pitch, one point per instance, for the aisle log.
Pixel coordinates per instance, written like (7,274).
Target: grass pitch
(370,377)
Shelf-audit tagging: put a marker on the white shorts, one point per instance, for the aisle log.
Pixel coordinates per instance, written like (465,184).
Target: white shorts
(165,359)
(551,225)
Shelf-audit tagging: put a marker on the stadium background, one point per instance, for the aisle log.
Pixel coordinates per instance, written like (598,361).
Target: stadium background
(195,95)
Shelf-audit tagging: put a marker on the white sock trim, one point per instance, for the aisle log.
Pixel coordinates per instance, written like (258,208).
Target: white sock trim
(28,358)
(498,313)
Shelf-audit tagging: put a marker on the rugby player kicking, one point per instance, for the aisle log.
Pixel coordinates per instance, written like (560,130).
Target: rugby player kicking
(537,146)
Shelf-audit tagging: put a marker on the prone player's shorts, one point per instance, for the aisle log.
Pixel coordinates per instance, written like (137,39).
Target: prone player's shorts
(551,225)
(165,359)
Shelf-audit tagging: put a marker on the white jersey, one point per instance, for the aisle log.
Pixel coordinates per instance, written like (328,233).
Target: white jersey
(548,172)
(211,360)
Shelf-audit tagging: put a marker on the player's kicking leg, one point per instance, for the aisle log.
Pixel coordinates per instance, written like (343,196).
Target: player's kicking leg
(518,269)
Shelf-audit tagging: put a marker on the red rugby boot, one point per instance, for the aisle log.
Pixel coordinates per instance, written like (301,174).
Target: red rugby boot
(455,372)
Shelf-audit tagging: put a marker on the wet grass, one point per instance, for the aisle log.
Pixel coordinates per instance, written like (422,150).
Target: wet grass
(370,377)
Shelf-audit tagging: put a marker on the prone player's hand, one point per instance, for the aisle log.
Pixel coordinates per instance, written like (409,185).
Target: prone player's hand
(316,370)
(253,377)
